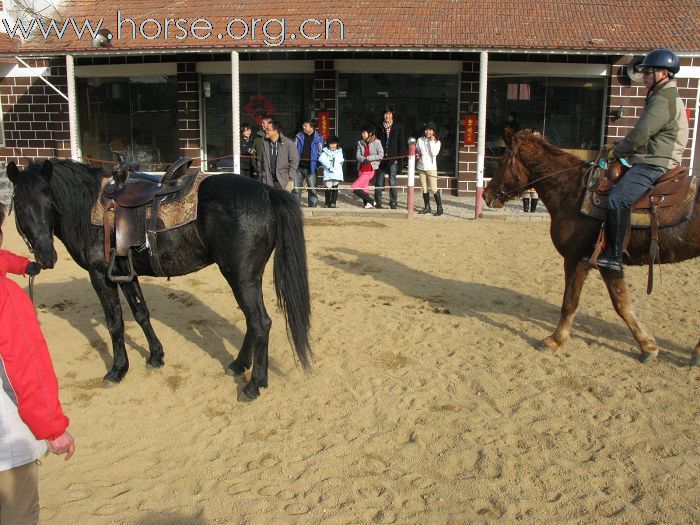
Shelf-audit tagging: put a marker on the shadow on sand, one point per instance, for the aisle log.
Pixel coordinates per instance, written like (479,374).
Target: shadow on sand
(480,300)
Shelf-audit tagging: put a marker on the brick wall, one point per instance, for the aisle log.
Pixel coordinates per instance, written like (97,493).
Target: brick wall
(468,103)
(324,90)
(188,117)
(35,117)
(628,99)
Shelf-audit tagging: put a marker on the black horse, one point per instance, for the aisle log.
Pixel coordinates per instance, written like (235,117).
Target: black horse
(239,223)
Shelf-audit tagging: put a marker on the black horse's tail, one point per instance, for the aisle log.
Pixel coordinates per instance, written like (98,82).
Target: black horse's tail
(291,273)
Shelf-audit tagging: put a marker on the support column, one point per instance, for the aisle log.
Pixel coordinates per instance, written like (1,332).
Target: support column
(481,132)
(236,112)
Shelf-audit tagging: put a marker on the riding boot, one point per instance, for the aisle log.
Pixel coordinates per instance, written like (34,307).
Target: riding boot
(533,205)
(361,195)
(438,203)
(615,230)
(328,198)
(526,204)
(426,204)
(334,197)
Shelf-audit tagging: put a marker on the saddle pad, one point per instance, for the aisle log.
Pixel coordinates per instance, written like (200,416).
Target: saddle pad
(172,213)
(640,218)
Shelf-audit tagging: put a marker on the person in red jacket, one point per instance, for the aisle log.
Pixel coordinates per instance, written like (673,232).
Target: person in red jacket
(30,412)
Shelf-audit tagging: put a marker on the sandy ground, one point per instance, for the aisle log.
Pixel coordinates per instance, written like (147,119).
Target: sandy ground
(427,402)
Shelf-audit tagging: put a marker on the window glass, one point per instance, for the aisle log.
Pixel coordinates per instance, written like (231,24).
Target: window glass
(136,115)
(287,98)
(567,110)
(415,99)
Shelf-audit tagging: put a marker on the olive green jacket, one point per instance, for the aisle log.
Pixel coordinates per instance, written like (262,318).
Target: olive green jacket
(661,133)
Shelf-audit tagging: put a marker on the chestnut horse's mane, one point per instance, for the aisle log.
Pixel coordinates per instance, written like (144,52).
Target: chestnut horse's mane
(535,145)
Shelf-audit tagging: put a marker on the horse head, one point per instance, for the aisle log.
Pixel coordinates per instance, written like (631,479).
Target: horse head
(511,178)
(34,209)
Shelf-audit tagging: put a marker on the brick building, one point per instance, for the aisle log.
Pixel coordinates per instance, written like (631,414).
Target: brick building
(163,87)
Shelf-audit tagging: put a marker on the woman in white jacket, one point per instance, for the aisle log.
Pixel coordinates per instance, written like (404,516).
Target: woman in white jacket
(427,149)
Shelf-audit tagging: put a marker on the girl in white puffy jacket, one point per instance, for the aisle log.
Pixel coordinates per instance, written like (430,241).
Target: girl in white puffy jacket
(427,149)
(332,160)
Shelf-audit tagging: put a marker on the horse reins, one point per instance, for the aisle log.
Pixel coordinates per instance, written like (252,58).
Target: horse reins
(29,247)
(503,195)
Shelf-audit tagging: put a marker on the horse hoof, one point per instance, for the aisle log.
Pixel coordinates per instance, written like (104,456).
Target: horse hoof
(648,356)
(249,393)
(114,377)
(155,363)
(547,345)
(235,369)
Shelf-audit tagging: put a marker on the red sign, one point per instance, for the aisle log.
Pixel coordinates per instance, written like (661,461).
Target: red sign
(470,129)
(688,113)
(257,106)
(323,119)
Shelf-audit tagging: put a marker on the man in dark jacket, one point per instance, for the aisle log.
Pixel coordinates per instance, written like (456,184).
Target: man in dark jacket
(258,142)
(278,158)
(309,145)
(393,139)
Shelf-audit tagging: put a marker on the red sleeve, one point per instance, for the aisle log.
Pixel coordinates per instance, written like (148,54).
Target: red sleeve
(11,263)
(25,362)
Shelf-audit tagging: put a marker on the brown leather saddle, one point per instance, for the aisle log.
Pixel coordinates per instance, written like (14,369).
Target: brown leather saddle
(669,202)
(133,198)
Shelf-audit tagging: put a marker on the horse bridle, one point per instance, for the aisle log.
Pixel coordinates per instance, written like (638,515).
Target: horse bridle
(26,241)
(502,195)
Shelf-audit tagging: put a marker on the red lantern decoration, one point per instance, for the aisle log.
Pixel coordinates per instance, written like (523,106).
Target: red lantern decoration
(323,119)
(470,122)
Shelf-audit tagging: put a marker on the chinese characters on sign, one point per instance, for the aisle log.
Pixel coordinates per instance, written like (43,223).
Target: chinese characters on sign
(470,129)
(323,119)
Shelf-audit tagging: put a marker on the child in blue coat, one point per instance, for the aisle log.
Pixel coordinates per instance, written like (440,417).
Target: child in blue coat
(331,159)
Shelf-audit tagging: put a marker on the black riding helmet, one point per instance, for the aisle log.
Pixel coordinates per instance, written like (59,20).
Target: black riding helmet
(662,59)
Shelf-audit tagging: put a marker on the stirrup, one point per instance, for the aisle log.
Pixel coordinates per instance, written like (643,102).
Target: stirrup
(120,278)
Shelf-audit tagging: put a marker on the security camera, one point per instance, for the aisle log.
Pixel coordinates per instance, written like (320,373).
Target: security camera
(103,38)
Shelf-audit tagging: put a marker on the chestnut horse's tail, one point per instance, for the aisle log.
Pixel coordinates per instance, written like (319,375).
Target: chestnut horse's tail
(291,274)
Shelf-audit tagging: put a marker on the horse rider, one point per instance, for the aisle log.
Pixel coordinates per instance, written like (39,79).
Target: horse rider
(654,145)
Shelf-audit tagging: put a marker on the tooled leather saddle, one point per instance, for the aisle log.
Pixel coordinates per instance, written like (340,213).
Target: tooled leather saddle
(131,200)
(669,202)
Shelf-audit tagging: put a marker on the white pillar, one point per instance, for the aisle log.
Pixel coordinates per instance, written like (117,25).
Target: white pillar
(411,174)
(72,109)
(481,135)
(235,112)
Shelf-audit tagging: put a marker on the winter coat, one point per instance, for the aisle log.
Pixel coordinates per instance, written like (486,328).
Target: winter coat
(332,162)
(30,411)
(287,162)
(316,147)
(427,151)
(394,145)
(258,140)
(376,153)
(661,133)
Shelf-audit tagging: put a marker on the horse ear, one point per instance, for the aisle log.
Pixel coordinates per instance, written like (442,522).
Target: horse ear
(47,170)
(12,172)
(508,137)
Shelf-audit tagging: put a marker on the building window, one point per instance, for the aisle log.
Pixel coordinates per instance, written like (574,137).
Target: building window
(134,115)
(416,100)
(568,111)
(287,98)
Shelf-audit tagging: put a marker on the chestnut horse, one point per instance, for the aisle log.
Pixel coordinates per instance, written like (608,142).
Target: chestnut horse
(559,179)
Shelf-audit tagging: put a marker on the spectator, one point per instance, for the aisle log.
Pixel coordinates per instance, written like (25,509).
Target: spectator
(427,149)
(393,139)
(247,150)
(369,154)
(278,158)
(530,199)
(30,412)
(309,145)
(265,121)
(332,160)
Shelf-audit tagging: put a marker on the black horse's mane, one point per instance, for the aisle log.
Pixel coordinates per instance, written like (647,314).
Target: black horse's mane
(74,186)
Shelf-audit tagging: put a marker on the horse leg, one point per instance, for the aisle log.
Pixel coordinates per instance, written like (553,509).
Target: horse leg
(248,293)
(619,294)
(134,296)
(108,293)
(575,274)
